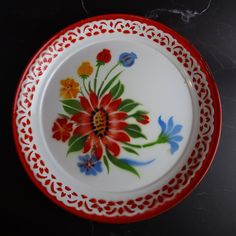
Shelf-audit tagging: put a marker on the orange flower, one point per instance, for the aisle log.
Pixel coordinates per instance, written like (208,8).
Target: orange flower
(69,88)
(85,70)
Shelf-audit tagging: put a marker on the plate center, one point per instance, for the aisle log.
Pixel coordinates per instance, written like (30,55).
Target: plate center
(116,115)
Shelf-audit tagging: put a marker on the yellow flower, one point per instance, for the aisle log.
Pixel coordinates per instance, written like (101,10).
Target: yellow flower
(85,70)
(69,88)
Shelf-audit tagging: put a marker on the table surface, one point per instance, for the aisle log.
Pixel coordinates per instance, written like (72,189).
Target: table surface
(210,25)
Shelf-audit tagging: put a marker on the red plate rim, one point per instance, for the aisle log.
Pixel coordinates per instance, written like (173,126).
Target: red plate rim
(212,148)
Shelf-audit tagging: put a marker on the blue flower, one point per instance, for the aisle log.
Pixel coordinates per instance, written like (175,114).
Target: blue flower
(127,59)
(169,134)
(89,165)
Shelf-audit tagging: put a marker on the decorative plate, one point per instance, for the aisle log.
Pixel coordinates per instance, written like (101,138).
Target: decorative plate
(117,118)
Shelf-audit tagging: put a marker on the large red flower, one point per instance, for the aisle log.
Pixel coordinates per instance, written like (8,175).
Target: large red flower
(62,129)
(102,123)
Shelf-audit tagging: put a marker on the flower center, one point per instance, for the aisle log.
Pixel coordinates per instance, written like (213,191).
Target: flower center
(89,164)
(63,128)
(99,120)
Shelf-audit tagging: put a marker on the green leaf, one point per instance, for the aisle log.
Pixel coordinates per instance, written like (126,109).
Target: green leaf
(125,103)
(72,139)
(138,114)
(76,143)
(121,164)
(72,103)
(128,105)
(130,150)
(120,92)
(115,89)
(69,110)
(134,131)
(134,127)
(110,83)
(71,106)
(106,163)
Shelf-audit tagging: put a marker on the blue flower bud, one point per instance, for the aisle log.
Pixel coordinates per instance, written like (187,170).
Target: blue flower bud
(127,59)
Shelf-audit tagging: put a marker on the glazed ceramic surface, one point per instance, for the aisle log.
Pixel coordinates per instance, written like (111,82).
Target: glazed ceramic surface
(117,118)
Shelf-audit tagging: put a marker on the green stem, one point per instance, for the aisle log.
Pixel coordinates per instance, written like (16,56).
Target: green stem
(113,68)
(95,79)
(150,144)
(85,87)
(81,91)
(158,141)
(129,116)
(89,86)
(133,145)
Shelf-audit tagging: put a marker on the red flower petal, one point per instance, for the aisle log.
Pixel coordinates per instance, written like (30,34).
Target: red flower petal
(57,135)
(93,99)
(55,127)
(87,144)
(117,116)
(65,136)
(82,130)
(69,127)
(85,104)
(112,146)
(98,150)
(113,106)
(81,118)
(105,100)
(119,136)
(117,125)
(61,121)
(144,122)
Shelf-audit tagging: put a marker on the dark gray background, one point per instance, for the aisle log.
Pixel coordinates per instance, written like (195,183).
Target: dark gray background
(210,26)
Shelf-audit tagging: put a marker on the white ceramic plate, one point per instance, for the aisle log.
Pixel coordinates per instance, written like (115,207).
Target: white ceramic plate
(117,118)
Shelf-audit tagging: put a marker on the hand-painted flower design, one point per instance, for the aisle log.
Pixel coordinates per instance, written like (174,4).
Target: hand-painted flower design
(89,165)
(85,70)
(104,57)
(169,133)
(101,123)
(127,59)
(62,129)
(69,88)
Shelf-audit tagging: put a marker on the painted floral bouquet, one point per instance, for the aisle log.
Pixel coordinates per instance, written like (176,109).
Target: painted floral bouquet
(99,122)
